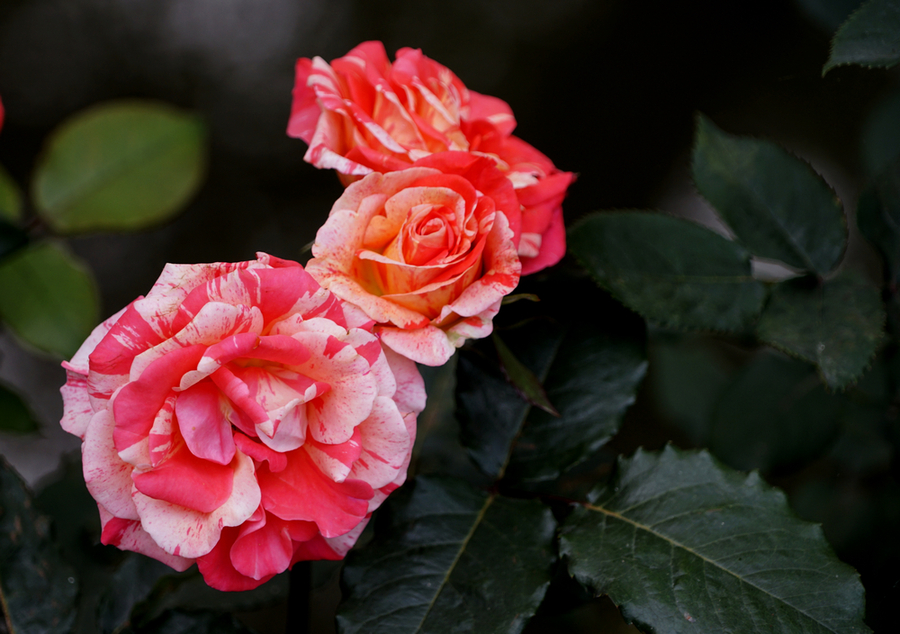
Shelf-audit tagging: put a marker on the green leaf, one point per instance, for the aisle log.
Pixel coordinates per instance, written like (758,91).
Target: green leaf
(591,370)
(777,206)
(880,137)
(523,379)
(775,413)
(11,239)
(10,197)
(683,544)
(836,324)
(672,271)
(687,376)
(15,416)
(870,37)
(121,165)
(128,586)
(37,589)
(48,298)
(449,558)
(878,217)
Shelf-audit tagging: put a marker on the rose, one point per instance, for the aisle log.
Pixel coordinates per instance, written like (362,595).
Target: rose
(427,252)
(240,416)
(363,114)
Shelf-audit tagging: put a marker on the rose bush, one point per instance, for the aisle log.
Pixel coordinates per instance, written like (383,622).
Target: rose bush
(427,252)
(362,114)
(242,417)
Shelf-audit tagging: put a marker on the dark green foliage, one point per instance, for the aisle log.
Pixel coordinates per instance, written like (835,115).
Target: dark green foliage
(682,544)
(454,560)
(870,37)
(777,206)
(836,324)
(672,271)
(14,413)
(775,413)
(37,589)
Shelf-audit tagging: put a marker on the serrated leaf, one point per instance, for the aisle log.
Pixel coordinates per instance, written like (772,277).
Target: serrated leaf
(591,372)
(673,272)
(37,589)
(10,197)
(48,298)
(878,217)
(836,324)
(870,37)
(683,544)
(523,379)
(449,559)
(119,166)
(15,415)
(777,206)
(775,413)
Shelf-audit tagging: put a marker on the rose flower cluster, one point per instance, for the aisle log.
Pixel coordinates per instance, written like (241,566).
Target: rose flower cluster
(247,416)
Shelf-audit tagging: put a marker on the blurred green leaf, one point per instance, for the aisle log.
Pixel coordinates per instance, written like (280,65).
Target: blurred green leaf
(48,298)
(829,14)
(118,166)
(449,558)
(10,197)
(777,206)
(878,217)
(687,377)
(672,271)
(15,416)
(836,324)
(870,37)
(683,544)
(775,413)
(880,138)
(11,239)
(37,589)
(523,379)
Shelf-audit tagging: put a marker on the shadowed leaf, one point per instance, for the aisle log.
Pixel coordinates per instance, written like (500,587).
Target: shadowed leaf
(449,558)
(777,206)
(672,271)
(870,37)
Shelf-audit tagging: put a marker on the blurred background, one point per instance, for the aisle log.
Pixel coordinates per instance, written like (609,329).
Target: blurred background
(606,88)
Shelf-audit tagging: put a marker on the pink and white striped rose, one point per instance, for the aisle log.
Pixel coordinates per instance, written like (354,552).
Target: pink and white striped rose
(362,114)
(242,417)
(427,252)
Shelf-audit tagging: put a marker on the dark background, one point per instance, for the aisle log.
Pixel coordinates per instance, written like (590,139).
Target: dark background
(605,88)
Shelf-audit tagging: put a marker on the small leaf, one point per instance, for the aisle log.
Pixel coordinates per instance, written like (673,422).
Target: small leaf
(775,413)
(15,416)
(672,271)
(878,217)
(522,378)
(449,558)
(836,324)
(777,206)
(48,298)
(120,165)
(870,37)
(37,589)
(683,544)
(10,197)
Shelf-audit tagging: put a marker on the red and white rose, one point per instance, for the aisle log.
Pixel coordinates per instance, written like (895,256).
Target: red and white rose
(427,252)
(362,114)
(242,417)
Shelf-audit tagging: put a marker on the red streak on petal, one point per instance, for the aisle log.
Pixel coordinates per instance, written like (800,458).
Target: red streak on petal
(188,481)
